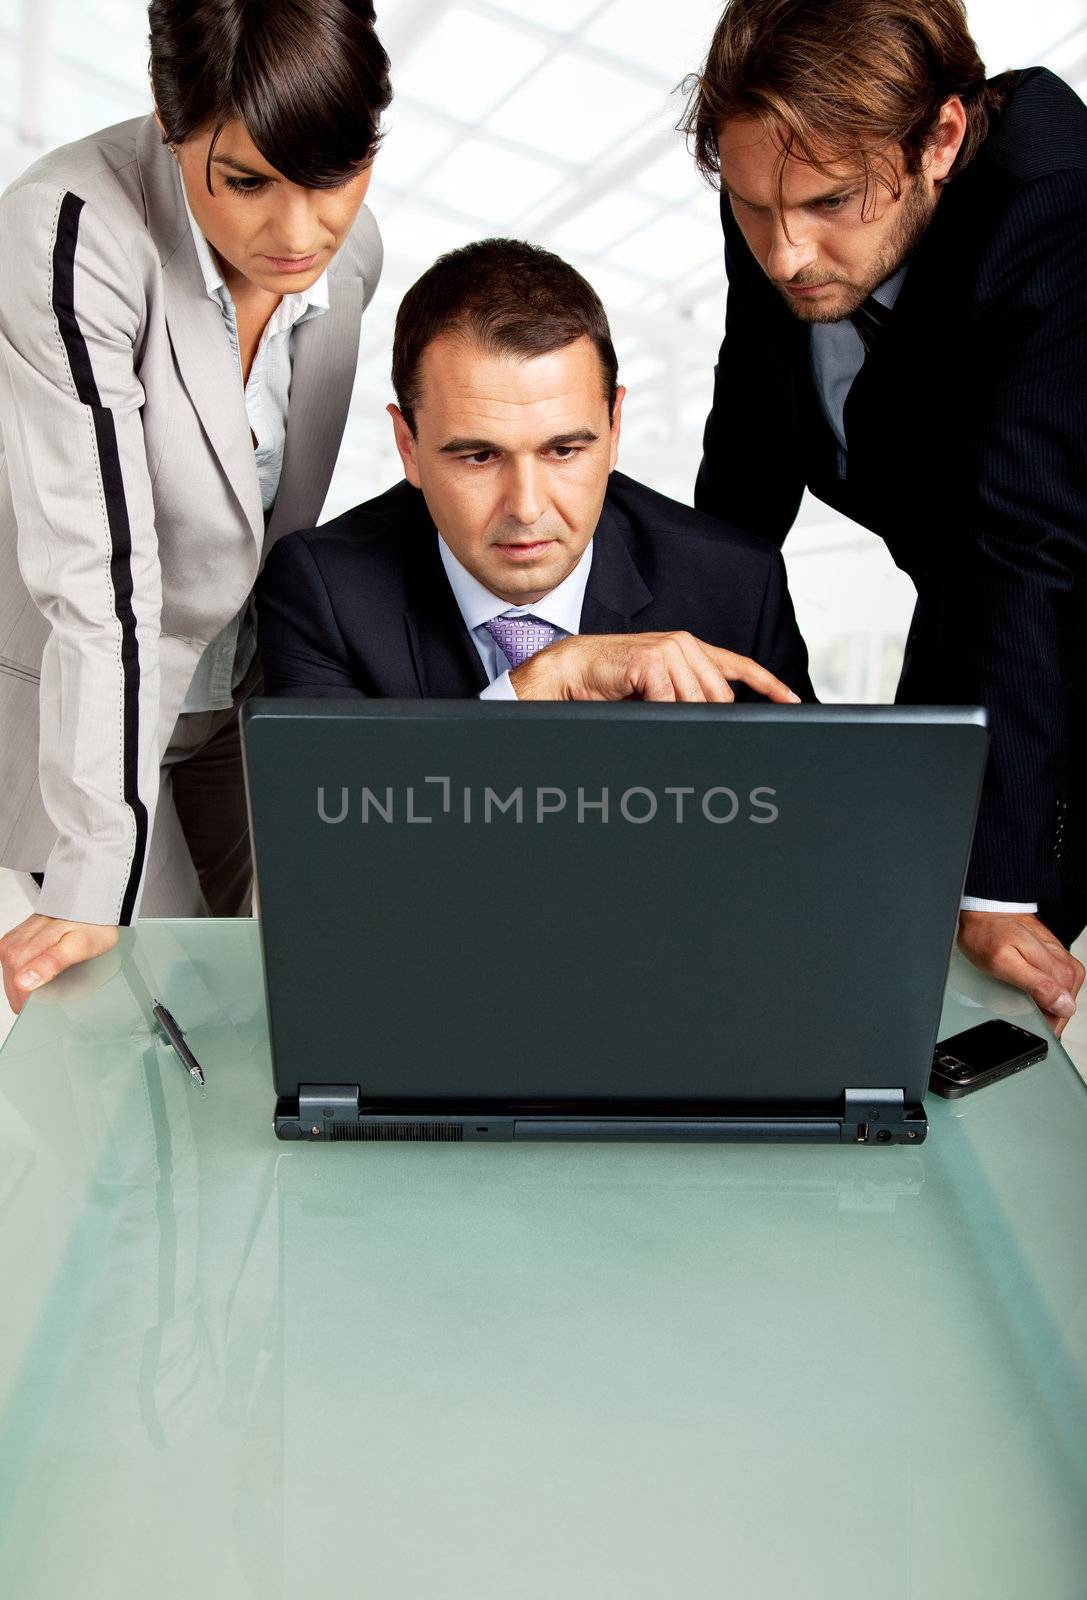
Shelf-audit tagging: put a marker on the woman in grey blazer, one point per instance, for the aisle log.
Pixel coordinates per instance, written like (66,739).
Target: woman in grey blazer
(180,299)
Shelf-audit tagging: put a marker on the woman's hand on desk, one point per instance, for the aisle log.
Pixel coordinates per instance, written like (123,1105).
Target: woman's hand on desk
(40,947)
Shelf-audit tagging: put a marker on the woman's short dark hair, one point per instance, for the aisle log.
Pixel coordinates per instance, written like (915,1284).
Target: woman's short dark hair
(308,78)
(506,296)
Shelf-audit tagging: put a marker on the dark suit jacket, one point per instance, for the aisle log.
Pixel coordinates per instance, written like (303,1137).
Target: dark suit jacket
(362,606)
(966,429)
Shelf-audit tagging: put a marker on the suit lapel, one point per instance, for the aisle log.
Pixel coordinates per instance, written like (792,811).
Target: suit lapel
(324,352)
(207,364)
(446,661)
(930,314)
(616,590)
(445,658)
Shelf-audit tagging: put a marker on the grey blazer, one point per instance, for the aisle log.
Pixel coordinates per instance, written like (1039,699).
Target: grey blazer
(131,527)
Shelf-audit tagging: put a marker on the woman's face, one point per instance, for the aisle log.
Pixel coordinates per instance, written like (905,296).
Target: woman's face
(274,233)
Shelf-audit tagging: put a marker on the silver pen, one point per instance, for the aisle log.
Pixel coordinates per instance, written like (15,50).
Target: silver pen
(177,1039)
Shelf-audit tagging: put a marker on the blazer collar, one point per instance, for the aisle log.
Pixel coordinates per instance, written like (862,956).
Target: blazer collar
(925,334)
(324,355)
(205,360)
(616,590)
(446,660)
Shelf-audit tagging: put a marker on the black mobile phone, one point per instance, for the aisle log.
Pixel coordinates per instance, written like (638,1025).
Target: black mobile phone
(977,1056)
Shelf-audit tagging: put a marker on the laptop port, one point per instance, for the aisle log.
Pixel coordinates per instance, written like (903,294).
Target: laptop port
(862,1133)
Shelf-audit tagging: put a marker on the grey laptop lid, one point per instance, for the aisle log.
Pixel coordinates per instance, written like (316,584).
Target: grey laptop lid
(725,907)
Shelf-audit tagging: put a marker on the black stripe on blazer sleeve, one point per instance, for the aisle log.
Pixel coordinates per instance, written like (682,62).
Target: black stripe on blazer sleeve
(120,566)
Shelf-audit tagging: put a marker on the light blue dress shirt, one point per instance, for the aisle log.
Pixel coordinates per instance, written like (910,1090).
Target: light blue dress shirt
(837,355)
(561,608)
(267,394)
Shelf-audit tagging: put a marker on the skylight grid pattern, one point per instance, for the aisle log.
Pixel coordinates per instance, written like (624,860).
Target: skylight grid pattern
(487,58)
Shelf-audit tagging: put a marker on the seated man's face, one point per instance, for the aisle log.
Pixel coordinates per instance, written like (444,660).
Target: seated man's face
(512,454)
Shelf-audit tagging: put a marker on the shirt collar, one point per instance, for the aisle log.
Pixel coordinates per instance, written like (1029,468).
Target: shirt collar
(315,297)
(209,267)
(888,292)
(562,607)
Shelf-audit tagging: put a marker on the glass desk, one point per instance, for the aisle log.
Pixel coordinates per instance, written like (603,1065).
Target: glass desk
(232,1367)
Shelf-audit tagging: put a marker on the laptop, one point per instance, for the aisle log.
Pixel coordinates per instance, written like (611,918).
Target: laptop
(492,921)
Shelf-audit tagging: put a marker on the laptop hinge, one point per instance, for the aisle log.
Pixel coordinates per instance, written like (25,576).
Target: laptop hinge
(881,1116)
(332,1112)
(323,1106)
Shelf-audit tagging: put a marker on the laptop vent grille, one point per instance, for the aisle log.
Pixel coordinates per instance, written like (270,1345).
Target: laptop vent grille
(412,1131)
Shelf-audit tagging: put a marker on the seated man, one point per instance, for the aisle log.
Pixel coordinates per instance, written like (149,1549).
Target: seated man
(515,562)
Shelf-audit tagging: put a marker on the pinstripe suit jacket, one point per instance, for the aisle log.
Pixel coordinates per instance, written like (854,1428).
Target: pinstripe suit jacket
(131,526)
(967,436)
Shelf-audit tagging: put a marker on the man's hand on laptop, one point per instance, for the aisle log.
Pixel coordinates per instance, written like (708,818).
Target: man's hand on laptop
(39,947)
(641,666)
(1019,949)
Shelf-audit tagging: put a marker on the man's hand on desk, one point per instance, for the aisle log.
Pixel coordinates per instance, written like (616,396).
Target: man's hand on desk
(1019,949)
(641,666)
(40,947)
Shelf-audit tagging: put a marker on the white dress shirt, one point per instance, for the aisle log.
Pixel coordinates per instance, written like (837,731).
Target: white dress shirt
(267,393)
(478,606)
(837,355)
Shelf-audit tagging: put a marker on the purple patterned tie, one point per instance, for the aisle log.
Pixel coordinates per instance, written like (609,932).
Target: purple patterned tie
(520,637)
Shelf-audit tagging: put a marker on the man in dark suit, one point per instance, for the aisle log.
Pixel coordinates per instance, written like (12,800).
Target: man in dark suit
(514,562)
(906,336)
